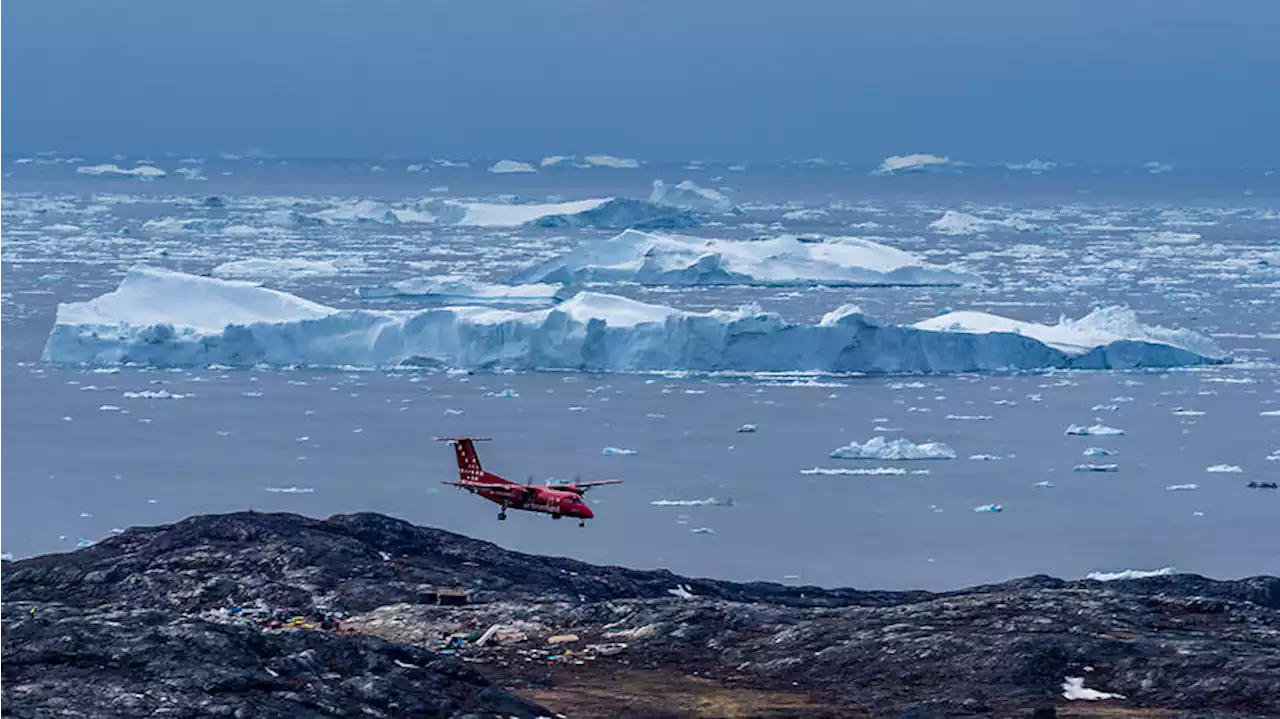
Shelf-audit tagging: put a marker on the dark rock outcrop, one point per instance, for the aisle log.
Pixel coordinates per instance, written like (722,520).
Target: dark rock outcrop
(149,619)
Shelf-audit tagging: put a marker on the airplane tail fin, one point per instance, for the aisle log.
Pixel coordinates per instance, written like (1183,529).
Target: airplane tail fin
(469,469)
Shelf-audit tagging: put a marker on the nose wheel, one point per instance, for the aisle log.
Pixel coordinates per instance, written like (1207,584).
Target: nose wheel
(502,513)
(582,522)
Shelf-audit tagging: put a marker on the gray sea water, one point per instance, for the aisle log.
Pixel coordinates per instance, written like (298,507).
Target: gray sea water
(81,460)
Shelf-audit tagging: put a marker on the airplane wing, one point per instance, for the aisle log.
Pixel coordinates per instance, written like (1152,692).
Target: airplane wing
(482,485)
(580,487)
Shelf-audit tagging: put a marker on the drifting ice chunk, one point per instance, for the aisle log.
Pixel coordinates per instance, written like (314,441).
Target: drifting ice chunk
(142,171)
(1183,487)
(494,214)
(898,449)
(149,394)
(620,163)
(862,471)
(1096,430)
(507,166)
(654,259)
(689,196)
(616,452)
(1270,413)
(1073,688)
(1100,452)
(1130,574)
(919,162)
(163,318)
(703,530)
(359,211)
(455,288)
(984,457)
(1096,468)
(1224,468)
(708,502)
(747,428)
(961,223)
(1043,485)
(989,508)
(269,269)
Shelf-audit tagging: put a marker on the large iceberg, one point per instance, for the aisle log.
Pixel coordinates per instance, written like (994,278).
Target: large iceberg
(457,288)
(622,213)
(142,171)
(495,214)
(919,162)
(655,259)
(164,318)
(502,167)
(689,196)
(897,449)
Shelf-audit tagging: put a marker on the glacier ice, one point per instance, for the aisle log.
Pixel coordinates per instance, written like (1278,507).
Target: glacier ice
(657,259)
(689,196)
(897,449)
(161,317)
(507,166)
(457,288)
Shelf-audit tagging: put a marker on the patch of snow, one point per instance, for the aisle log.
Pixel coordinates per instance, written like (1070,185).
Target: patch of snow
(897,449)
(1073,689)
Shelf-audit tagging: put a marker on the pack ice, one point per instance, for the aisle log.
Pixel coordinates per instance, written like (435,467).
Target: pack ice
(164,318)
(457,288)
(655,259)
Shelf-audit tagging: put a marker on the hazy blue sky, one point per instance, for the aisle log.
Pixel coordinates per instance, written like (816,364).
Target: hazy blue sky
(1114,82)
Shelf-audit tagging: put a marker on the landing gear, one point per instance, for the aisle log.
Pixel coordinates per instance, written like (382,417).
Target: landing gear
(502,513)
(582,522)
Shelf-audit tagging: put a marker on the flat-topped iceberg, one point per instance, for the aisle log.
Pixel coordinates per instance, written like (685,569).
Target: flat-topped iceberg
(457,288)
(163,318)
(655,259)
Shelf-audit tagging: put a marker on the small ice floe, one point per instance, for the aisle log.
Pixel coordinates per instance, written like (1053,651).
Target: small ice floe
(708,502)
(747,428)
(1130,574)
(1043,485)
(503,393)
(988,508)
(1106,408)
(1262,485)
(616,452)
(110,408)
(1270,413)
(577,409)
(1073,689)
(703,530)
(1096,430)
(1100,452)
(84,543)
(1224,469)
(250,394)
(970,417)
(1184,412)
(984,457)
(453,412)
(1182,487)
(1096,468)
(859,471)
(154,394)
(897,449)
(290,490)
(682,591)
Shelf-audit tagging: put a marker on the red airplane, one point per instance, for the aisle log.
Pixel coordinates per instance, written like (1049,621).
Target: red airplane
(558,500)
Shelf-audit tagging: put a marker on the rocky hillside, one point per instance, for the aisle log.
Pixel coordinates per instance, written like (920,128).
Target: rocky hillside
(254,614)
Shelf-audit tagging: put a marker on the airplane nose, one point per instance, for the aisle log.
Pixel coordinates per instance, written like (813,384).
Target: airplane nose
(586,512)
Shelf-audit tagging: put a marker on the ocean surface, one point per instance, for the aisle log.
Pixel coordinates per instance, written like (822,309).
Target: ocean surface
(1182,248)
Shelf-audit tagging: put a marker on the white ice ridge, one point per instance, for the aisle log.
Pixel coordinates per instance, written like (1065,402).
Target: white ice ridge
(689,196)
(659,259)
(897,449)
(159,317)
(455,288)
